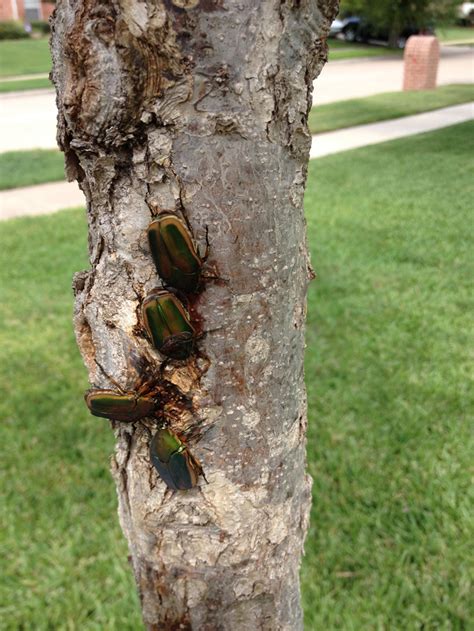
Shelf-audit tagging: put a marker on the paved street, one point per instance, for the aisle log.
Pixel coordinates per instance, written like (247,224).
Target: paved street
(28,120)
(353,78)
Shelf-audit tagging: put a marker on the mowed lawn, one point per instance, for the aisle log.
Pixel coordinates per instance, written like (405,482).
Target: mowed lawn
(385,106)
(26,84)
(390,392)
(24,56)
(26,168)
(340,49)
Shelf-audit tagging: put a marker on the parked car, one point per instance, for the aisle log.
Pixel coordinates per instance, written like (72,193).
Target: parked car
(466,13)
(357,29)
(336,27)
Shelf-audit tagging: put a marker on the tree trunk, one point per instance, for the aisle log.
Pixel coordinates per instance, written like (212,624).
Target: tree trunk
(199,107)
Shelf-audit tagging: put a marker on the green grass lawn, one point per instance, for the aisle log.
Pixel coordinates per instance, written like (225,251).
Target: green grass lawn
(339,49)
(24,168)
(388,361)
(390,385)
(27,84)
(24,56)
(385,106)
(447,34)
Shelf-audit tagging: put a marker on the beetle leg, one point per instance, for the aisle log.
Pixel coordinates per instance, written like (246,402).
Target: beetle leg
(203,475)
(204,333)
(218,279)
(147,430)
(195,433)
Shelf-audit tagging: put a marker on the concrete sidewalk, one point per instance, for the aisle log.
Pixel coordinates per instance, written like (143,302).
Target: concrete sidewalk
(47,198)
(374,133)
(40,200)
(24,77)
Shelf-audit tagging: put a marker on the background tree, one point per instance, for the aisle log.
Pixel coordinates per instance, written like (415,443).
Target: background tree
(199,107)
(394,15)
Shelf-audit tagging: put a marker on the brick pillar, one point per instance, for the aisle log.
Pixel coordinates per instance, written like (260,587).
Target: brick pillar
(47,8)
(420,62)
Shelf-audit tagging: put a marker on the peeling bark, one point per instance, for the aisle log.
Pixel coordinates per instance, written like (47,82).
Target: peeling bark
(199,107)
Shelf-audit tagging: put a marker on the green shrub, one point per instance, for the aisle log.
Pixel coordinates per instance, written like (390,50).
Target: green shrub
(41,26)
(12,30)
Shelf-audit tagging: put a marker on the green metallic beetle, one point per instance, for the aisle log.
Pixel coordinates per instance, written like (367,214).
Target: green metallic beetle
(168,325)
(178,468)
(174,253)
(119,407)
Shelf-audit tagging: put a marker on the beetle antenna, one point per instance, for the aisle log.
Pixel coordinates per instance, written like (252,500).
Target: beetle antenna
(107,376)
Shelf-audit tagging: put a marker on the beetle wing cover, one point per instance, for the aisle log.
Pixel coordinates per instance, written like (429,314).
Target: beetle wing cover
(154,322)
(174,315)
(171,458)
(174,252)
(182,470)
(164,444)
(158,250)
(162,447)
(179,245)
(119,407)
(163,472)
(168,325)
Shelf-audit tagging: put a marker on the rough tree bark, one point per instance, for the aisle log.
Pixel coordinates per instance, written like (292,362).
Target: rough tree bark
(199,107)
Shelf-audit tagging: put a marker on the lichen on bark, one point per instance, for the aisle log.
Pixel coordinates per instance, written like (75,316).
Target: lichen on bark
(199,107)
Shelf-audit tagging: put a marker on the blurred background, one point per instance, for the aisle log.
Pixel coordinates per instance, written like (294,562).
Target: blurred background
(389,338)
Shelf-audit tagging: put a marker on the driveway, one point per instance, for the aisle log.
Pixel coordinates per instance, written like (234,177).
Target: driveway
(28,120)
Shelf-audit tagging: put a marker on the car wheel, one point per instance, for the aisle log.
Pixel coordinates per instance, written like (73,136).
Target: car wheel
(350,35)
(401,42)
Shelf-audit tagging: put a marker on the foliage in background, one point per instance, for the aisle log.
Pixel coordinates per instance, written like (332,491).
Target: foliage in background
(394,15)
(12,30)
(388,370)
(41,26)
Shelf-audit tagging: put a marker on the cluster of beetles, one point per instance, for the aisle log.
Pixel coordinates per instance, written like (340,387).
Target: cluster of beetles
(169,329)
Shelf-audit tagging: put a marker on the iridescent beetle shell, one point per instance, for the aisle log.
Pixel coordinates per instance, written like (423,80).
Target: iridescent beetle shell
(176,465)
(168,325)
(174,253)
(119,407)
